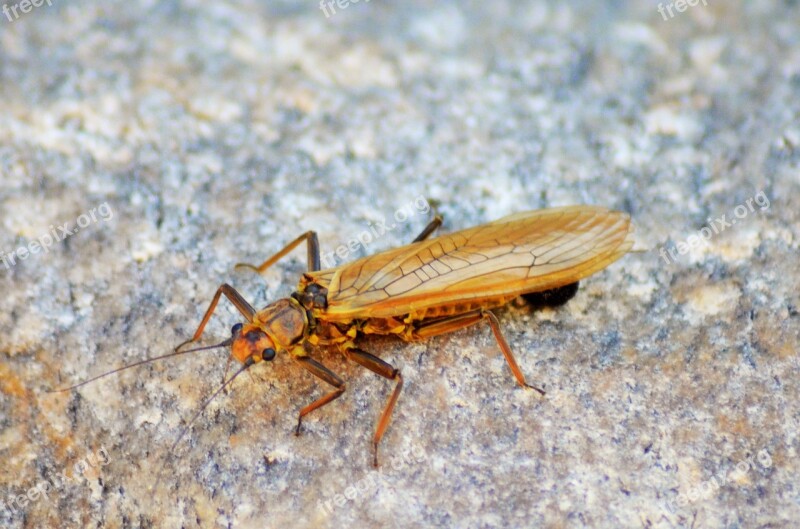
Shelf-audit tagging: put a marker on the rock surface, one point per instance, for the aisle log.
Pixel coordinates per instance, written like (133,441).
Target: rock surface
(188,136)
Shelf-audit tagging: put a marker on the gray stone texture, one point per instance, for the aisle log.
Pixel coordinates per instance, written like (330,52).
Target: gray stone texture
(215,132)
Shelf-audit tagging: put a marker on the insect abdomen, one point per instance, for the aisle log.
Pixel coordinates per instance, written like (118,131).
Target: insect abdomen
(460,308)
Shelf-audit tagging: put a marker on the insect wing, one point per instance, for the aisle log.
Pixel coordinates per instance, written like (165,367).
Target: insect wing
(522,253)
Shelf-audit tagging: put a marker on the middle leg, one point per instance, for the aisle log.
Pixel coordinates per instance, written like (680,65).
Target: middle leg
(432,226)
(312,243)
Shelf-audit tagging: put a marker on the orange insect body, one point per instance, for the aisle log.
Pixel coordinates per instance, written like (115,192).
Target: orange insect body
(435,286)
(430,287)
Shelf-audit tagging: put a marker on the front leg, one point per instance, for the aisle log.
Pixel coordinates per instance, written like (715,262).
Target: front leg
(234,297)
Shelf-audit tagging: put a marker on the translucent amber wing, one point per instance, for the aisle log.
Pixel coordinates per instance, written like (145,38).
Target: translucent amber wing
(521,253)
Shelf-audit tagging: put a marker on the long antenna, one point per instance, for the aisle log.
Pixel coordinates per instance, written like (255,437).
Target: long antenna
(141,362)
(249,362)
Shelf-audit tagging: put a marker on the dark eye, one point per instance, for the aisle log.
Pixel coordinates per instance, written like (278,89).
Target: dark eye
(236,328)
(268,354)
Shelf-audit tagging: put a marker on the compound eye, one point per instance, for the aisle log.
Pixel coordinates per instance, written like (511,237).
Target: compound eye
(236,329)
(268,354)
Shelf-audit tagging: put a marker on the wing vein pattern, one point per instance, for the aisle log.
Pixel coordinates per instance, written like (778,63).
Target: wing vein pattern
(521,253)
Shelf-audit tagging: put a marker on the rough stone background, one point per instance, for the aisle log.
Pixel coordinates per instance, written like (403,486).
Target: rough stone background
(218,131)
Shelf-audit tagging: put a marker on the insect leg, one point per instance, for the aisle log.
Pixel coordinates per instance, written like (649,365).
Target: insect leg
(322,372)
(430,228)
(388,371)
(494,323)
(310,237)
(234,297)
(449,324)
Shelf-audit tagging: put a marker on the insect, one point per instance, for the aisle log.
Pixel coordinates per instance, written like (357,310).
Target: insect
(427,288)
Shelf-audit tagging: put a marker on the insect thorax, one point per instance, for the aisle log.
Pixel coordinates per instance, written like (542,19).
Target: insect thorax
(285,321)
(312,296)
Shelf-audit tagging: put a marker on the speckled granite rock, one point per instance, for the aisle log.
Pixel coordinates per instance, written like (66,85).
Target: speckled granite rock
(187,136)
